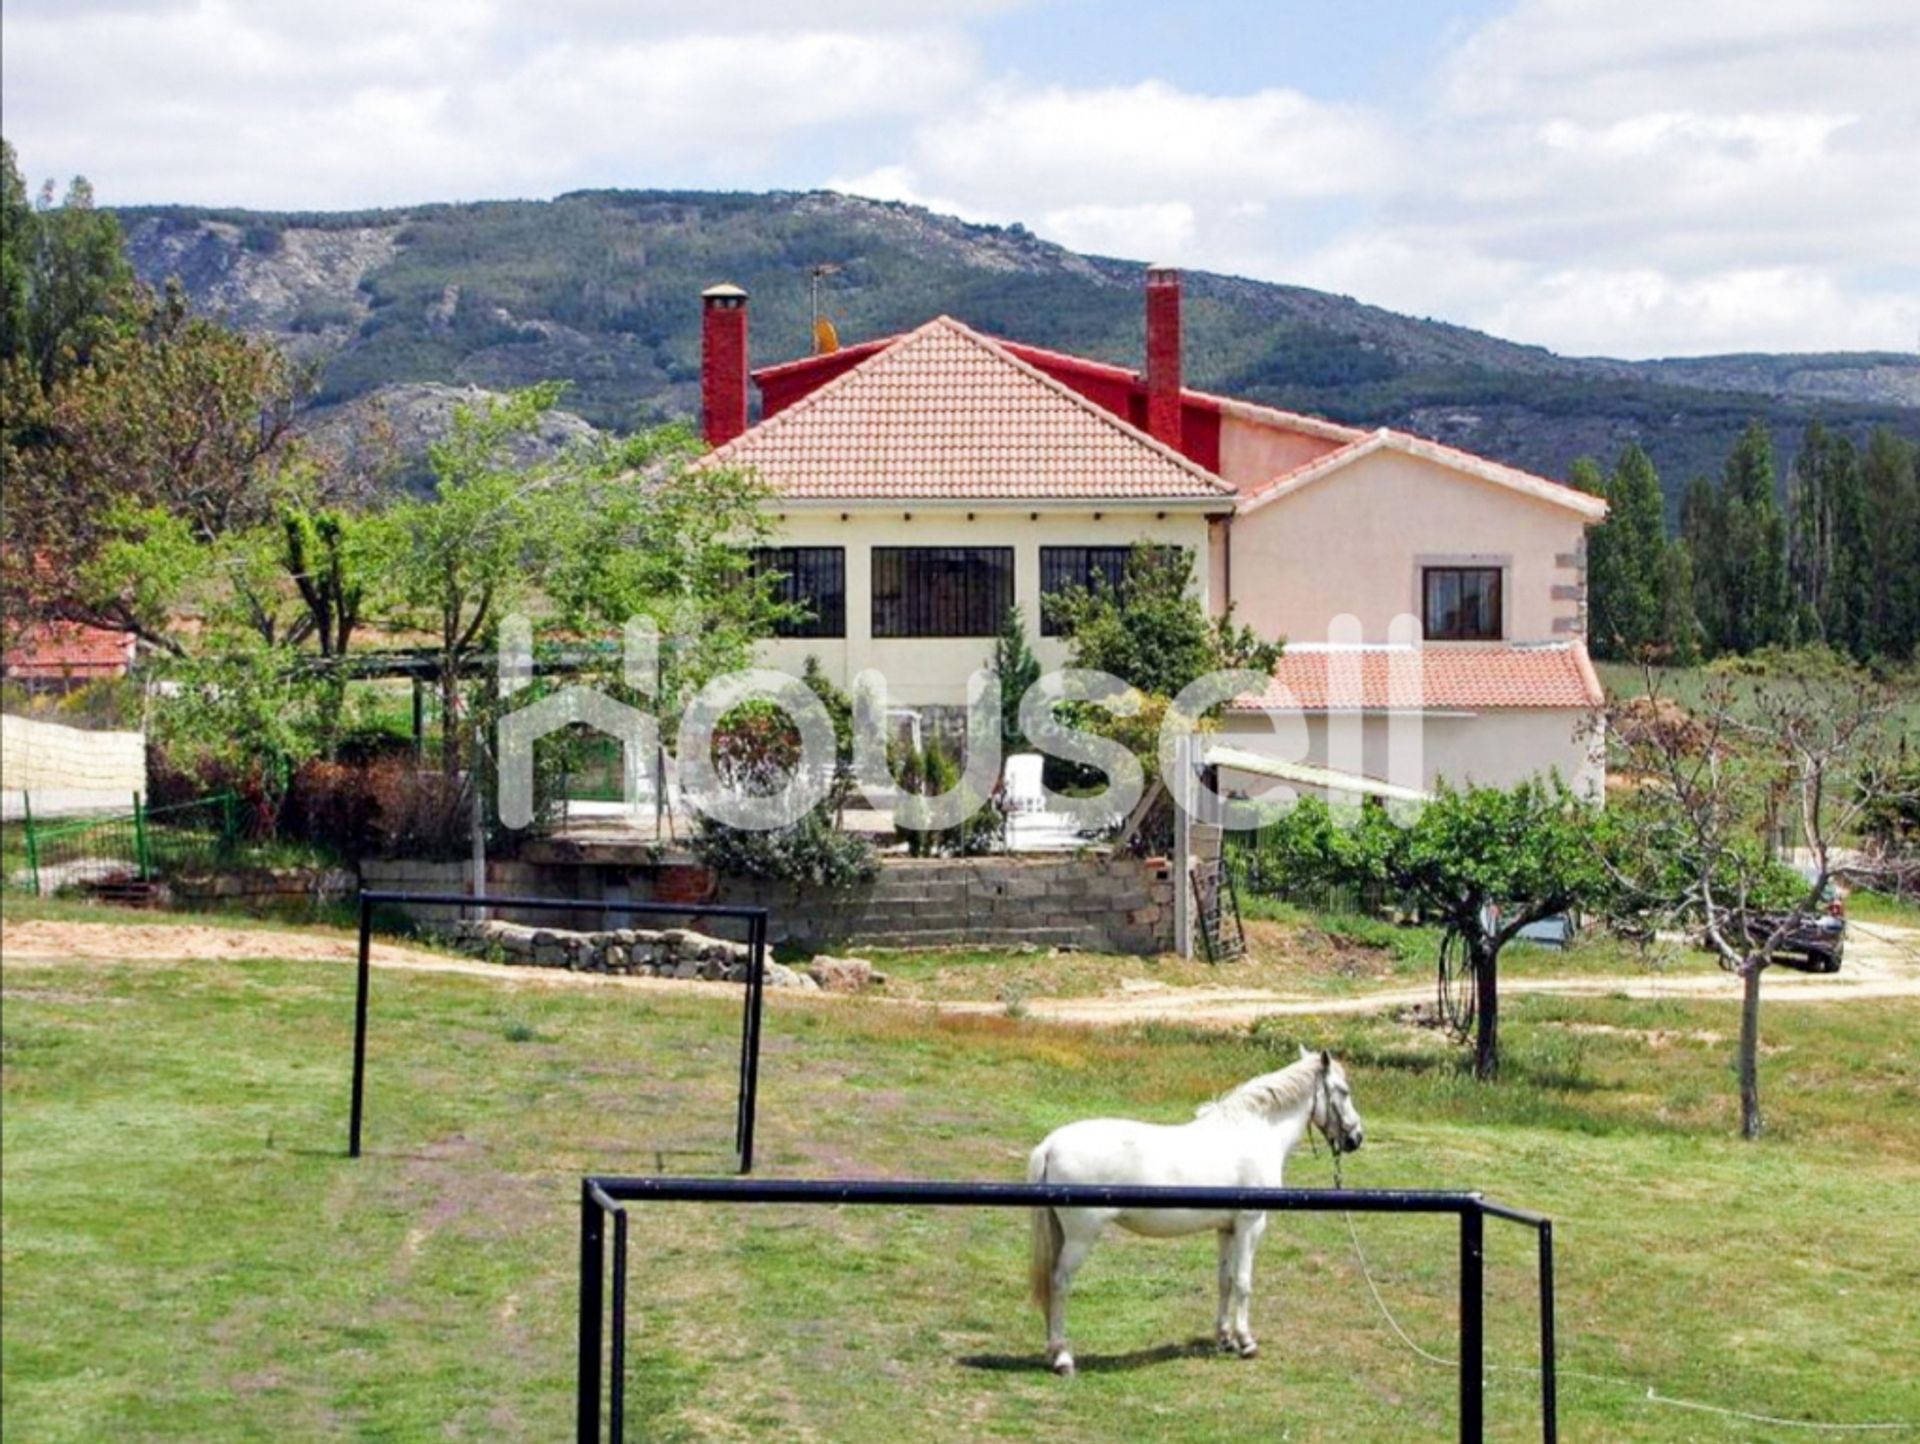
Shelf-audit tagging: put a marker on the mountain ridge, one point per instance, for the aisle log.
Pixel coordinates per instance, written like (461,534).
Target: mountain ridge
(600,287)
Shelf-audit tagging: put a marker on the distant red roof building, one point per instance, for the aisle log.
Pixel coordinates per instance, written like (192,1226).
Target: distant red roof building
(67,651)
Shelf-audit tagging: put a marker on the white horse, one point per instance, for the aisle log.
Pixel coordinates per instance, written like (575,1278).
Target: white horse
(1240,1140)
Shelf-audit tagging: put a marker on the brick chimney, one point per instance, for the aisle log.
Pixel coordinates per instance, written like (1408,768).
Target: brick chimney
(1163,354)
(723,363)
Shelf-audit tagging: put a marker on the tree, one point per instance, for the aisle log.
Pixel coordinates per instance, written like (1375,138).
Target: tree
(637,528)
(1017,669)
(460,560)
(1753,571)
(1686,845)
(174,413)
(1487,863)
(1703,539)
(1630,571)
(1153,631)
(1891,501)
(64,279)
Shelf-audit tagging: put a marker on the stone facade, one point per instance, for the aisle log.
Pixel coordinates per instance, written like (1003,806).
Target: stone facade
(1092,901)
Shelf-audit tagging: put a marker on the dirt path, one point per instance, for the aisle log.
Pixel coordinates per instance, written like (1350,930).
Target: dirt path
(26,944)
(1882,962)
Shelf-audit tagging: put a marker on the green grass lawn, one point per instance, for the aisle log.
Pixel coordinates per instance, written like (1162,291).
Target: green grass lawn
(188,1255)
(1289,950)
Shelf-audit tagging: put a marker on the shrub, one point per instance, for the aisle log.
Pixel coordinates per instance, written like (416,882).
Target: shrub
(812,852)
(383,808)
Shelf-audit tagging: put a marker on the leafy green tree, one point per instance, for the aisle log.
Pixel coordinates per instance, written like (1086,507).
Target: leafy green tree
(1486,862)
(637,528)
(1805,739)
(470,554)
(1153,632)
(1017,669)
(65,281)
(1754,566)
(175,413)
(1703,536)
(1629,571)
(1891,499)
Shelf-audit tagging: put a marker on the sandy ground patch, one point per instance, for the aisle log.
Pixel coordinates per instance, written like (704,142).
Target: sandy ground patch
(1882,962)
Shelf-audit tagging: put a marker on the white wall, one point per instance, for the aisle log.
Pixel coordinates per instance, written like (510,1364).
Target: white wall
(924,671)
(1355,542)
(1492,748)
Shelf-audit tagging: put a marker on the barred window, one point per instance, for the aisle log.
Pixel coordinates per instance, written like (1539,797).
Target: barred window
(1462,604)
(1063,569)
(810,577)
(941,591)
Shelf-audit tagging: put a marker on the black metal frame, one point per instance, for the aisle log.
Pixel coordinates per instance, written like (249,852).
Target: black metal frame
(601,1197)
(747,1101)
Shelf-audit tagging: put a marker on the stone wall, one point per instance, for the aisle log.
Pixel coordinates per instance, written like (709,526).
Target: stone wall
(629,952)
(65,770)
(1090,901)
(269,889)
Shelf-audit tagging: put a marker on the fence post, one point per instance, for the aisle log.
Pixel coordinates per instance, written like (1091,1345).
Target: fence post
(1472,1322)
(360,1024)
(141,859)
(229,827)
(33,850)
(1549,1383)
(593,1244)
(617,1353)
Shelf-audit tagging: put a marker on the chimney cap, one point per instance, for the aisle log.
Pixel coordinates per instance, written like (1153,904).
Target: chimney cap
(725,291)
(1162,270)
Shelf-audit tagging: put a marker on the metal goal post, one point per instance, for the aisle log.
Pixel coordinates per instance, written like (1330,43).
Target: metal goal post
(754,919)
(602,1210)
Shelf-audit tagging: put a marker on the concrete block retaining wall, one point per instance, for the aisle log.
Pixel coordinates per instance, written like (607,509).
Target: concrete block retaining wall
(1090,901)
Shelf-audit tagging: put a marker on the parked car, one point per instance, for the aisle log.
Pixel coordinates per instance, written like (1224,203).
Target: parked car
(1814,944)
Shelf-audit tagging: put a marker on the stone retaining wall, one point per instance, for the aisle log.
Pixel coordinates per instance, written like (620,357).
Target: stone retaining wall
(672,953)
(1090,900)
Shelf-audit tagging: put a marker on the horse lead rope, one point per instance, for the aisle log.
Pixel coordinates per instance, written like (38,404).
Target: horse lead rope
(1651,1396)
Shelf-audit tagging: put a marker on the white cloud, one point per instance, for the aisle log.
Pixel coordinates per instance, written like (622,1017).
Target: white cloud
(1623,176)
(359,103)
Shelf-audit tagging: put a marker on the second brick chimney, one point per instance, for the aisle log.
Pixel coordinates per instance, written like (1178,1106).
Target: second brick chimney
(1163,355)
(723,363)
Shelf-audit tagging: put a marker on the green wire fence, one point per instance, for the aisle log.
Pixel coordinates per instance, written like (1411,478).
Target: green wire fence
(141,845)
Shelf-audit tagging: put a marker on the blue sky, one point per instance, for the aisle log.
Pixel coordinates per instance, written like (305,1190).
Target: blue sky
(1625,177)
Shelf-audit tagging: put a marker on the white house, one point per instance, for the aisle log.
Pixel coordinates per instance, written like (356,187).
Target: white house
(926,482)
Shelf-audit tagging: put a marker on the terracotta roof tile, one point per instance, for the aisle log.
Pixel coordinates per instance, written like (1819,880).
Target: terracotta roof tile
(1445,676)
(945,413)
(69,649)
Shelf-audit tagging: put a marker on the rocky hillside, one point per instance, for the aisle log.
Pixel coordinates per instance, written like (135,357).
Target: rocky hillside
(599,288)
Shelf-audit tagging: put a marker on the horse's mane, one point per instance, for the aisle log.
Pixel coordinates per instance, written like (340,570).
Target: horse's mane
(1268,1094)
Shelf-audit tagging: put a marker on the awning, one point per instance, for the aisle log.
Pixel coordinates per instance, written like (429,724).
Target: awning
(1314,779)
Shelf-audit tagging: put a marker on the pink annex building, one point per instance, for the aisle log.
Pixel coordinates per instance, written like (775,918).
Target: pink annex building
(927,482)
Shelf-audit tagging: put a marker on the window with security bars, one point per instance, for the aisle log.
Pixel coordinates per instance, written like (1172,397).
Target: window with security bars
(810,577)
(941,591)
(1064,569)
(1462,604)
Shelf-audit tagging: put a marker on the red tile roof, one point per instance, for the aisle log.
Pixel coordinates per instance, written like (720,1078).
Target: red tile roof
(69,649)
(1439,677)
(1542,488)
(947,414)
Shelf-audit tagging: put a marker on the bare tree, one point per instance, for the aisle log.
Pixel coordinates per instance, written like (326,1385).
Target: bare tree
(1734,815)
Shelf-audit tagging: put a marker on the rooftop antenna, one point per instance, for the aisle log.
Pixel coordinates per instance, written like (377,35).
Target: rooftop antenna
(826,340)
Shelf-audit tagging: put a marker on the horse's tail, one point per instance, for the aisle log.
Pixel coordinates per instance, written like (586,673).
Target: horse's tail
(1047,1238)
